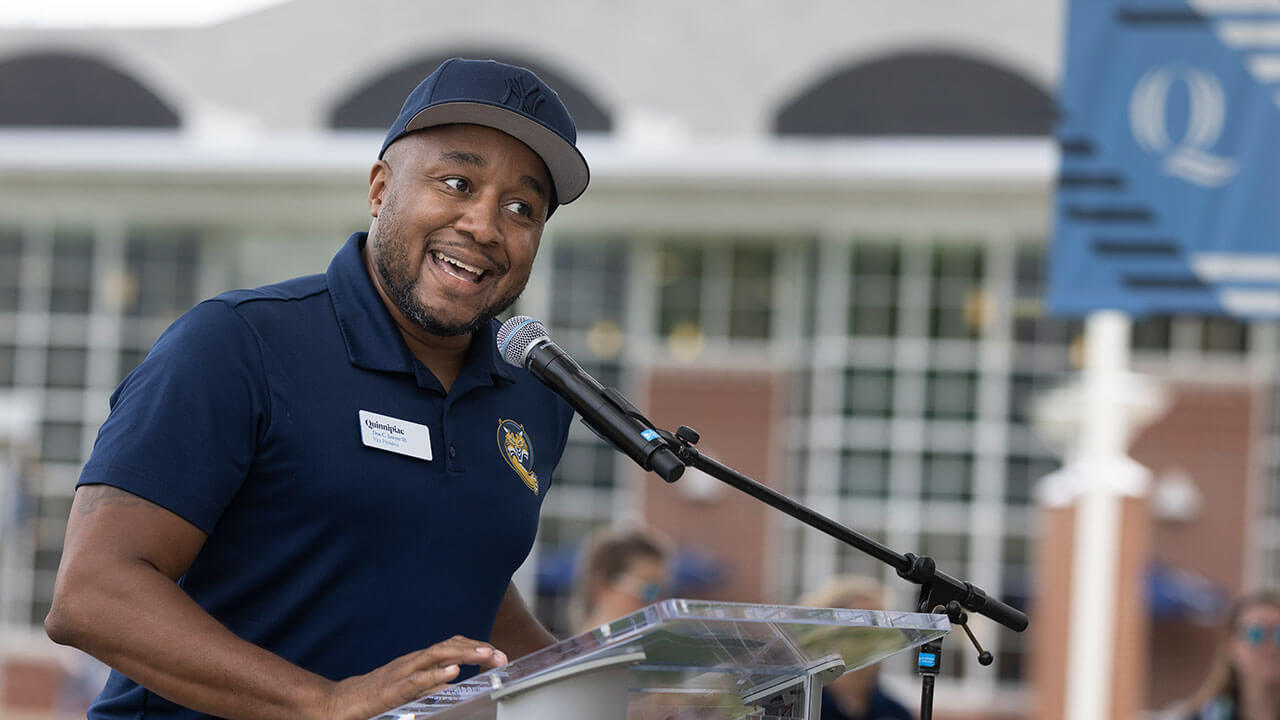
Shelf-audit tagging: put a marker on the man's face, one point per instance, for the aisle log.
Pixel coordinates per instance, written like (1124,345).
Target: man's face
(458,214)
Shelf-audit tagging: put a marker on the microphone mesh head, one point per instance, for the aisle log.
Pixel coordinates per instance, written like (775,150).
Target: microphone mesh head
(516,336)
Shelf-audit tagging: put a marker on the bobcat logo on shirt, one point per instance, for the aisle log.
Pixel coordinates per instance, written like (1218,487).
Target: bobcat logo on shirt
(517,449)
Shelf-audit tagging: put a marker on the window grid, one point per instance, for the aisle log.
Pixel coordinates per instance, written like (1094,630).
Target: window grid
(61,304)
(10,267)
(911,455)
(874,274)
(590,286)
(680,278)
(750,307)
(956,279)
(724,288)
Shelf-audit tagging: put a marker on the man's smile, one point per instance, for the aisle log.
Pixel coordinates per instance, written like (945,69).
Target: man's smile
(457,268)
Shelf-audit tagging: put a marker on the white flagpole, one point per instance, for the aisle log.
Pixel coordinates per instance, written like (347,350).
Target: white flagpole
(1104,469)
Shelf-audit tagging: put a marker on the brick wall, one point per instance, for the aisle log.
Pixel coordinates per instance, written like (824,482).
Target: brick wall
(736,413)
(1209,434)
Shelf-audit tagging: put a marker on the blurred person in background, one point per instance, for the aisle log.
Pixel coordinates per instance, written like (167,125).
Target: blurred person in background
(856,695)
(619,572)
(1244,677)
(298,506)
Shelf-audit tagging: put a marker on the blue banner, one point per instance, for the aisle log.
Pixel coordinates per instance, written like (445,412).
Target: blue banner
(1169,190)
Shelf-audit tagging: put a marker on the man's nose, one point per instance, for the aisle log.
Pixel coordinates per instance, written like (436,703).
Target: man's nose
(480,219)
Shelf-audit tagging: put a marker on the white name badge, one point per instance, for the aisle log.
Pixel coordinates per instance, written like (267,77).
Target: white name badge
(395,435)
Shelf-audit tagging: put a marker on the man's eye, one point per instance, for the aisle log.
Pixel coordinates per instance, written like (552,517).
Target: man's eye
(520,208)
(457,183)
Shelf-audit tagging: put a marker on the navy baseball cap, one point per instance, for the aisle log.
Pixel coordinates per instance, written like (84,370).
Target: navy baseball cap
(503,97)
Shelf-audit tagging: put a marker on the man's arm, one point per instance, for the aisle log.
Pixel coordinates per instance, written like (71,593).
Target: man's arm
(516,631)
(116,597)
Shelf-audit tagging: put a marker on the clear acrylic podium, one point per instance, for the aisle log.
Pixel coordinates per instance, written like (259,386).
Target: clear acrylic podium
(686,660)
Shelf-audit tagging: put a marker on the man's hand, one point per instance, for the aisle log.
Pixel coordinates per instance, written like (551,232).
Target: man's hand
(408,678)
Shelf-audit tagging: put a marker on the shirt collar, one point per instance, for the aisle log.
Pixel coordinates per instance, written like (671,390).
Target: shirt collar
(483,354)
(373,340)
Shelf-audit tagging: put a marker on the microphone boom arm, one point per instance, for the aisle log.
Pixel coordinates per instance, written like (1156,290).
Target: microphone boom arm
(936,587)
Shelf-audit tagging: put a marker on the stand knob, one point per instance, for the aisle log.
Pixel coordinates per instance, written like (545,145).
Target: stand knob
(688,435)
(958,617)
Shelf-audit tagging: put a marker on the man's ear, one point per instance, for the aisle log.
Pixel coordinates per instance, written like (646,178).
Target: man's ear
(379,184)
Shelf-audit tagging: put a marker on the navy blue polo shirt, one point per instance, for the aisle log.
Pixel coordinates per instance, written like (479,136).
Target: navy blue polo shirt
(287,423)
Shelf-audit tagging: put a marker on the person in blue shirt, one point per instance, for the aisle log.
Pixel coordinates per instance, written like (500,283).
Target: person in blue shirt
(309,500)
(857,695)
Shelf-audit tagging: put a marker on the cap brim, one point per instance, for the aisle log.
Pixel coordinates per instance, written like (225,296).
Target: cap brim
(567,166)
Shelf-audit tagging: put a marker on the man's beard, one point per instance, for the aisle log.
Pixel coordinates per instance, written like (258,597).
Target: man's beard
(398,281)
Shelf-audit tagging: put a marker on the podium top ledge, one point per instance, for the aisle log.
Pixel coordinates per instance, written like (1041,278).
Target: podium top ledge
(699,648)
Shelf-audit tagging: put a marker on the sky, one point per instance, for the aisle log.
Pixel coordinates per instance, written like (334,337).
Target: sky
(124,13)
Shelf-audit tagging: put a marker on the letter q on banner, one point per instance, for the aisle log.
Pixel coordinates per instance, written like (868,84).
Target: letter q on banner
(1188,158)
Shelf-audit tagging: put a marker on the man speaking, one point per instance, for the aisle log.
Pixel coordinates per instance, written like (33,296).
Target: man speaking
(309,500)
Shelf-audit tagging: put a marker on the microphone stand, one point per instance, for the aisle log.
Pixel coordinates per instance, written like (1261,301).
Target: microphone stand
(939,592)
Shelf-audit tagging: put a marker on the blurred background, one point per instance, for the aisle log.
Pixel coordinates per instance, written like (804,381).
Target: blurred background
(816,232)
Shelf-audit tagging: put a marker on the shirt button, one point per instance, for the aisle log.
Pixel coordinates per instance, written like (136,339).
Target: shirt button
(453,452)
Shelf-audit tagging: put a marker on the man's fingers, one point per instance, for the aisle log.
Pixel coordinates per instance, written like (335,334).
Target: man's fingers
(429,681)
(440,675)
(418,684)
(416,675)
(459,650)
(487,657)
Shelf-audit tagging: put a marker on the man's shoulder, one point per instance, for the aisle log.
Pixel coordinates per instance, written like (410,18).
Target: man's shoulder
(299,288)
(237,315)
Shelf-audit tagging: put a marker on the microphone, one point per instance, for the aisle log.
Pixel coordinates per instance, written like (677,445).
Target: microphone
(524,342)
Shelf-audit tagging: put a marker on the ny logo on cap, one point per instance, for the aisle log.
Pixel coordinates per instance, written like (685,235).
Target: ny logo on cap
(517,96)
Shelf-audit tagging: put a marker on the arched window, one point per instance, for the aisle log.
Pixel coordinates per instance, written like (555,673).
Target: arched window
(62,90)
(376,103)
(919,94)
